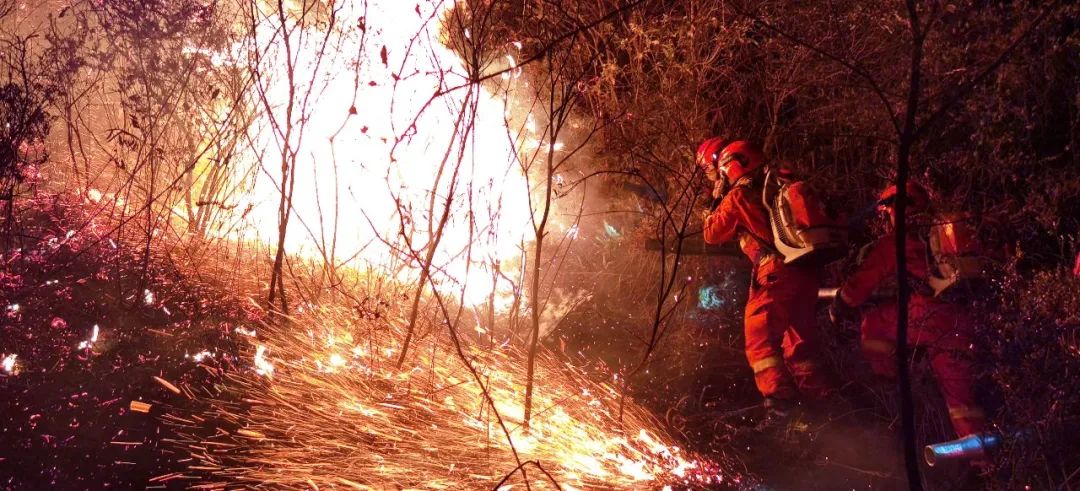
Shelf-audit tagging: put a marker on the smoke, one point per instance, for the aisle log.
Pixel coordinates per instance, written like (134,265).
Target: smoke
(559,303)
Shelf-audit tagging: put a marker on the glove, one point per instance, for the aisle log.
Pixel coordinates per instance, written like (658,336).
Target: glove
(713,205)
(842,313)
(719,189)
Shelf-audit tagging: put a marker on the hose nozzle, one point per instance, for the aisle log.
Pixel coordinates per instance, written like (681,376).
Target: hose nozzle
(975,446)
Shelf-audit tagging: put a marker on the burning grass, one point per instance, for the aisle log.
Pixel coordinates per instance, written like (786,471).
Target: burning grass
(323,405)
(313,401)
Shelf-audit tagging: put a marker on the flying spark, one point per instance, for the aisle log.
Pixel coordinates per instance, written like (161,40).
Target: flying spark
(9,363)
(262,365)
(93,339)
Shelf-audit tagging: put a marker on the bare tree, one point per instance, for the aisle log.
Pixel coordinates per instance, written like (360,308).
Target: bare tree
(292,28)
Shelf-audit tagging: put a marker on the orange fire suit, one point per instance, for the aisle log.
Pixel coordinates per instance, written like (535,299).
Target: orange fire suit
(942,328)
(782,340)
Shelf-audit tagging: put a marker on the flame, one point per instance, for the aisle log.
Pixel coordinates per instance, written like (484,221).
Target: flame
(327,405)
(365,173)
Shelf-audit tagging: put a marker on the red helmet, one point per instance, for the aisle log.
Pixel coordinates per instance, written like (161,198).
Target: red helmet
(740,158)
(917,197)
(709,152)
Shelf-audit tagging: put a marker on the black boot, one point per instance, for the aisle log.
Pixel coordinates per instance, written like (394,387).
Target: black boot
(778,414)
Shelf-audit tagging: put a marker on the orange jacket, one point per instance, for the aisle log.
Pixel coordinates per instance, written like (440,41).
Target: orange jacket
(878,265)
(741,212)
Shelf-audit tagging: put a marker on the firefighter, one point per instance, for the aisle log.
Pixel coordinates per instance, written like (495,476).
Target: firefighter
(782,341)
(942,328)
(707,154)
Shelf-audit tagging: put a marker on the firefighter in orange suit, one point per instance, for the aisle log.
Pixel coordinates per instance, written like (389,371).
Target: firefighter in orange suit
(782,341)
(942,328)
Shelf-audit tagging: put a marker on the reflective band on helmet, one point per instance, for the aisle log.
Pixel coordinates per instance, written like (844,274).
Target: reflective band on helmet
(966,412)
(766,363)
(878,346)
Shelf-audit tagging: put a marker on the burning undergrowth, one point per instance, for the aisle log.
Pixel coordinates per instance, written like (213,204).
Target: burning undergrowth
(322,404)
(188,383)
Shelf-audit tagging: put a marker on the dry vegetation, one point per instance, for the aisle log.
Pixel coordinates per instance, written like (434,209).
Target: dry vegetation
(324,173)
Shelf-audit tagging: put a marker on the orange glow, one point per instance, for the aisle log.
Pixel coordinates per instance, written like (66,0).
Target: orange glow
(324,402)
(429,425)
(359,174)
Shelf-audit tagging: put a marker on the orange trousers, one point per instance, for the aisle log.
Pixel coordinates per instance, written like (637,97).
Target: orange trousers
(944,330)
(783,343)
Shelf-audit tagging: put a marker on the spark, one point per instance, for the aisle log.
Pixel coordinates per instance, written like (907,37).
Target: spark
(200,356)
(513,71)
(262,365)
(9,363)
(168,385)
(250,433)
(245,332)
(148,297)
(93,339)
